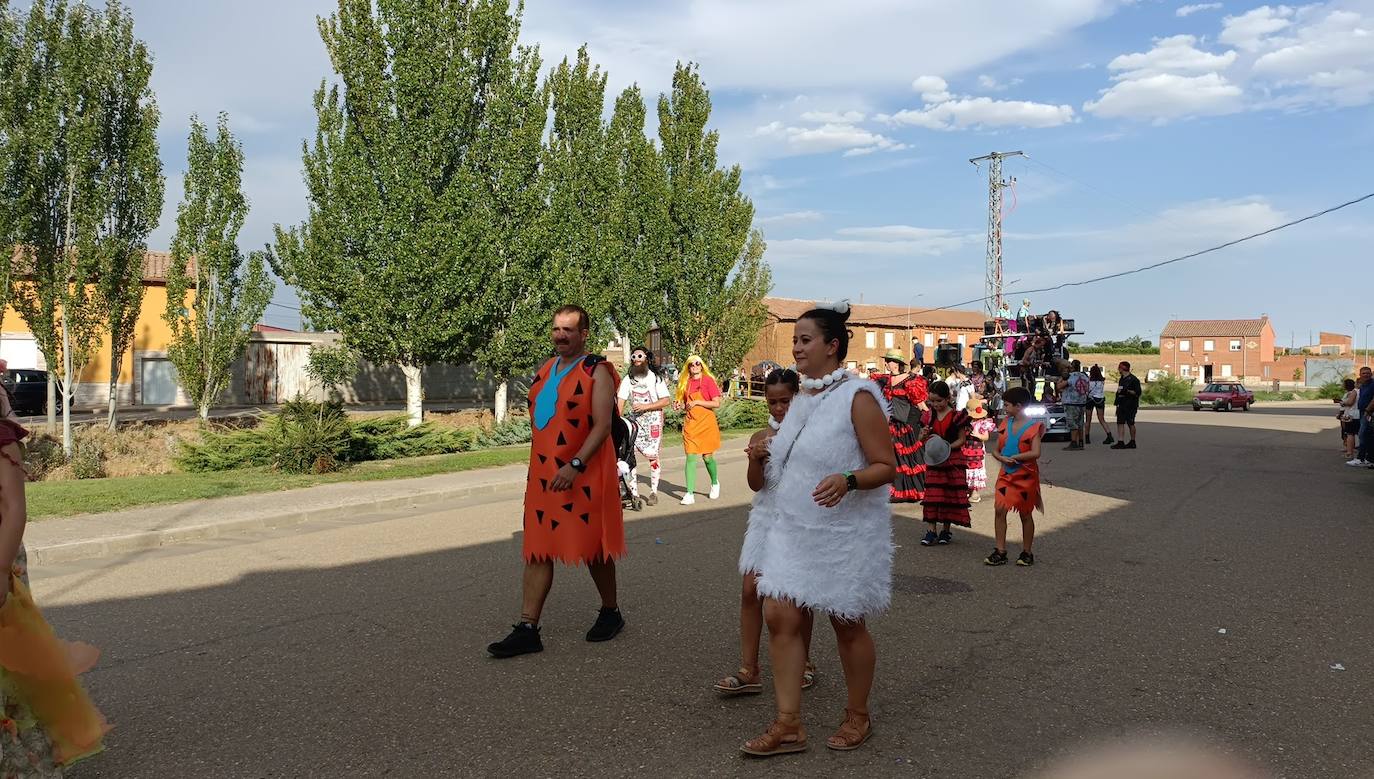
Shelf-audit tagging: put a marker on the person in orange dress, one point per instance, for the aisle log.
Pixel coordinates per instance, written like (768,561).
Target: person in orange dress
(572,497)
(1018,486)
(47,722)
(699,396)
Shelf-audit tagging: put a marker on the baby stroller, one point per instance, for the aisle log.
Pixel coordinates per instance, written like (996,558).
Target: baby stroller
(624,433)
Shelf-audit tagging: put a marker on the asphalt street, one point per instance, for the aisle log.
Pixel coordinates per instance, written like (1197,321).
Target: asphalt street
(1213,583)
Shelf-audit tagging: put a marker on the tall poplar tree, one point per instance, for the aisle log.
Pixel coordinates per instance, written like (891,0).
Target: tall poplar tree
(226,297)
(62,176)
(411,179)
(709,228)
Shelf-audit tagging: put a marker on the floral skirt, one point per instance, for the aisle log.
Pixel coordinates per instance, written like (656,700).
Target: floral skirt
(975,469)
(909,482)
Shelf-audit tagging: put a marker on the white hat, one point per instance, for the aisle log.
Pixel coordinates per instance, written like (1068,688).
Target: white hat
(935,451)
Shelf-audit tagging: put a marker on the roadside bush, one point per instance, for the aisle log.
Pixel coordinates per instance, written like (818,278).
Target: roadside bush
(391,437)
(88,460)
(743,415)
(223,451)
(509,433)
(1332,390)
(43,454)
(1167,391)
(310,437)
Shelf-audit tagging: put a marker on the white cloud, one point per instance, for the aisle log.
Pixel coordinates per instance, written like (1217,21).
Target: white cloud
(832,136)
(895,233)
(1177,55)
(1249,30)
(790,218)
(991,84)
(984,112)
(933,89)
(1165,96)
(1339,40)
(839,117)
(1189,10)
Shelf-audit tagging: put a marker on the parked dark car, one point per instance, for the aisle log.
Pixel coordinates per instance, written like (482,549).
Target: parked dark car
(1224,396)
(28,390)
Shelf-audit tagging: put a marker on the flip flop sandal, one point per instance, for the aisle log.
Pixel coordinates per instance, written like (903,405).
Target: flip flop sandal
(850,736)
(734,684)
(776,741)
(809,677)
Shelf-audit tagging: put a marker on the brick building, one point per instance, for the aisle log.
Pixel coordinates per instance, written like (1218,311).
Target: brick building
(876,329)
(1212,349)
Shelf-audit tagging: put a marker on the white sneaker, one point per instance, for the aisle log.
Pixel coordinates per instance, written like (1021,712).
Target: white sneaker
(715,492)
(1357,463)
(689,499)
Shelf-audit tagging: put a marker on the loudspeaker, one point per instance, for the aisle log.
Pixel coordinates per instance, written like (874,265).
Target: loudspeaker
(1068,326)
(947,355)
(990,327)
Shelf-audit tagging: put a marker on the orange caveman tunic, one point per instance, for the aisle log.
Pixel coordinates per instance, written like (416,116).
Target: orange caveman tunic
(583,524)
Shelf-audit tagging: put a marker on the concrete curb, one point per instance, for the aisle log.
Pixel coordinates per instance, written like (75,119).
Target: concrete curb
(155,539)
(127,543)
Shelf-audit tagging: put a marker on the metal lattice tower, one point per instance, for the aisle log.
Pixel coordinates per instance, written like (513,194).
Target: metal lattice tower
(993,275)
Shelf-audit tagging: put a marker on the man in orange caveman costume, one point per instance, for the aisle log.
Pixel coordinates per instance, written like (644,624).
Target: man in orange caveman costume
(572,498)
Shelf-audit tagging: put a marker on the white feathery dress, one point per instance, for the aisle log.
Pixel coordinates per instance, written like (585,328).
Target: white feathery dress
(834,560)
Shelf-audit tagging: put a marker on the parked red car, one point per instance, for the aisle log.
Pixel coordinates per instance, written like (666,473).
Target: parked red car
(1224,396)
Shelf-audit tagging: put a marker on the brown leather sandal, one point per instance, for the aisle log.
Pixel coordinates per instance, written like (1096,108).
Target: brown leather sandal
(853,732)
(739,683)
(809,677)
(781,738)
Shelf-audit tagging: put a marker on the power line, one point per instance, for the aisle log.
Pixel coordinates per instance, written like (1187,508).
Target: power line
(1154,265)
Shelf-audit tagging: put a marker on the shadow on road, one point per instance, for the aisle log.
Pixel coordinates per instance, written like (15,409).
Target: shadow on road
(1168,594)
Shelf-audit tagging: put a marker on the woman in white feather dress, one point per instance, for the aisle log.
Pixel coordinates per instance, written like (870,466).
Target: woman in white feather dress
(827,544)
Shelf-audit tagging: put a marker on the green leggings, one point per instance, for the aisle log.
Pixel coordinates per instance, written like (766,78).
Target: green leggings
(692,470)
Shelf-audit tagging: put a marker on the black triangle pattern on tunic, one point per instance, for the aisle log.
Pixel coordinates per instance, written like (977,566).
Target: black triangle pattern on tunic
(544,484)
(543,459)
(572,404)
(553,523)
(587,491)
(576,423)
(1002,490)
(539,514)
(560,462)
(561,440)
(586,519)
(568,507)
(578,389)
(1024,494)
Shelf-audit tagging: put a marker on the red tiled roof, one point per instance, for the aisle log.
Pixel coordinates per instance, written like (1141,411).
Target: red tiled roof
(1190,328)
(790,309)
(155,265)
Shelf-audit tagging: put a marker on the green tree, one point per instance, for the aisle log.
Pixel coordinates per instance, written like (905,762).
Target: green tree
(743,313)
(61,181)
(639,227)
(709,222)
(401,250)
(132,179)
(211,329)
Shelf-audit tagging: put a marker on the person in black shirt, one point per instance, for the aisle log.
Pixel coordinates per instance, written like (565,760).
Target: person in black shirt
(1127,404)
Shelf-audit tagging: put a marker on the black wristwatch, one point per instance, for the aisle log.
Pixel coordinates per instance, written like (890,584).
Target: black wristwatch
(578,465)
(851,482)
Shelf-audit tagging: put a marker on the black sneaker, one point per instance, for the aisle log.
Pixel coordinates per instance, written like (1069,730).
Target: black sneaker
(1087,439)
(1120,445)
(1109,440)
(929,538)
(608,624)
(1026,558)
(944,538)
(523,640)
(1131,445)
(996,558)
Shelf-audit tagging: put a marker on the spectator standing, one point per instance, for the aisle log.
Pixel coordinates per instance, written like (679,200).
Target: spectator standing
(1128,391)
(1073,393)
(1349,415)
(960,387)
(978,378)
(1097,399)
(1364,400)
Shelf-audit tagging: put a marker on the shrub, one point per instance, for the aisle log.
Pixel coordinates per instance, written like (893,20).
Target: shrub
(310,437)
(222,451)
(43,453)
(1332,390)
(1167,391)
(508,433)
(391,437)
(743,415)
(88,460)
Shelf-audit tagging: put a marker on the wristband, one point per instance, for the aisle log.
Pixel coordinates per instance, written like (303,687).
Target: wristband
(851,482)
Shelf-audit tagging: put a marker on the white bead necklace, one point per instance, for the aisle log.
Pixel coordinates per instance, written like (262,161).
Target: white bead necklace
(825,381)
(775,424)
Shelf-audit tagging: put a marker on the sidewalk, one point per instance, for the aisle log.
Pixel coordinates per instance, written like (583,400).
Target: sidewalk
(121,532)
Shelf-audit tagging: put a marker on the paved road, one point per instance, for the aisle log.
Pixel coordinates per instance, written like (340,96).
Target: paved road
(355,648)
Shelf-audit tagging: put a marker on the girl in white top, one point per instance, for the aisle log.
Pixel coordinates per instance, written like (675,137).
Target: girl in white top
(829,546)
(1097,399)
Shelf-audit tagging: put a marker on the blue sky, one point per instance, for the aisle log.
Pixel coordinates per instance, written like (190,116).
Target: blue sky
(1154,128)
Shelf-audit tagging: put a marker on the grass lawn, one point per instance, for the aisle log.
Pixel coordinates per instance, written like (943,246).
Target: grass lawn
(66,498)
